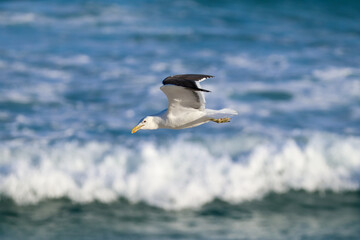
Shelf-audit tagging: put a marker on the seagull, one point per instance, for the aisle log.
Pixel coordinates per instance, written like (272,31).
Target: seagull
(186,107)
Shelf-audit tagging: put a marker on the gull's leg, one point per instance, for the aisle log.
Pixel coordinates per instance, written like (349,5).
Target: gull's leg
(220,120)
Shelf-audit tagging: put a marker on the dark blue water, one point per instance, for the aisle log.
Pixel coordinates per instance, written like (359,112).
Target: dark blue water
(76,76)
(295,215)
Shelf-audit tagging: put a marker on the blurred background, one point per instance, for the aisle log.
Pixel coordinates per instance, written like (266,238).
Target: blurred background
(76,76)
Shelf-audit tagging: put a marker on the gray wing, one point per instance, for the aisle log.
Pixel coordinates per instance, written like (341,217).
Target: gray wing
(181,97)
(184,91)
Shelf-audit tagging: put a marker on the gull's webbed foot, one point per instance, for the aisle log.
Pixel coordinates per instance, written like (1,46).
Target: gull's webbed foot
(220,120)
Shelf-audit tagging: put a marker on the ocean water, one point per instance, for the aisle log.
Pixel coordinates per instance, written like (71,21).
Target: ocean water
(76,76)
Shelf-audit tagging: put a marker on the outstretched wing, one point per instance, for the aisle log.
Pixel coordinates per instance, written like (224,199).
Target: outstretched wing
(191,81)
(183,91)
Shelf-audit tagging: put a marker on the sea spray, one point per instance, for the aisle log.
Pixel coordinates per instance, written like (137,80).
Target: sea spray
(179,175)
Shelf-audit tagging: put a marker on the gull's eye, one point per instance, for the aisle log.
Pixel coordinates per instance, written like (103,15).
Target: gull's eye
(144,121)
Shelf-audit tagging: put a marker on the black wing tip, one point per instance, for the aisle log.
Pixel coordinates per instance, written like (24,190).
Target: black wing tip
(187,80)
(203,90)
(191,77)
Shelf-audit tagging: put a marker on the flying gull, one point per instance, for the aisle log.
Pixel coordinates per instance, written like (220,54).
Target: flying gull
(186,107)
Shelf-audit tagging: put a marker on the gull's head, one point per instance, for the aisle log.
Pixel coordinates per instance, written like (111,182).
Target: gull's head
(149,122)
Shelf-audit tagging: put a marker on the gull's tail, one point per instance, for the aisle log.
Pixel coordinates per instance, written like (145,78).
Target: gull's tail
(223,113)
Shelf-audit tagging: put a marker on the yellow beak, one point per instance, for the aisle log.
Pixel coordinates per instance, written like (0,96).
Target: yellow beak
(136,128)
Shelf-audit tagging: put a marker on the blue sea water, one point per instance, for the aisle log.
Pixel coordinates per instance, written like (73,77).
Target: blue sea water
(76,76)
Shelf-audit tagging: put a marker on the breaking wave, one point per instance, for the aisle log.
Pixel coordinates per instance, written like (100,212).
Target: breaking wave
(180,175)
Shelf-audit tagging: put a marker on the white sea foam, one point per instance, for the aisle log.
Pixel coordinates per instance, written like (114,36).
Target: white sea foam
(108,14)
(306,94)
(333,73)
(323,89)
(271,64)
(177,176)
(40,92)
(77,60)
(7,18)
(21,67)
